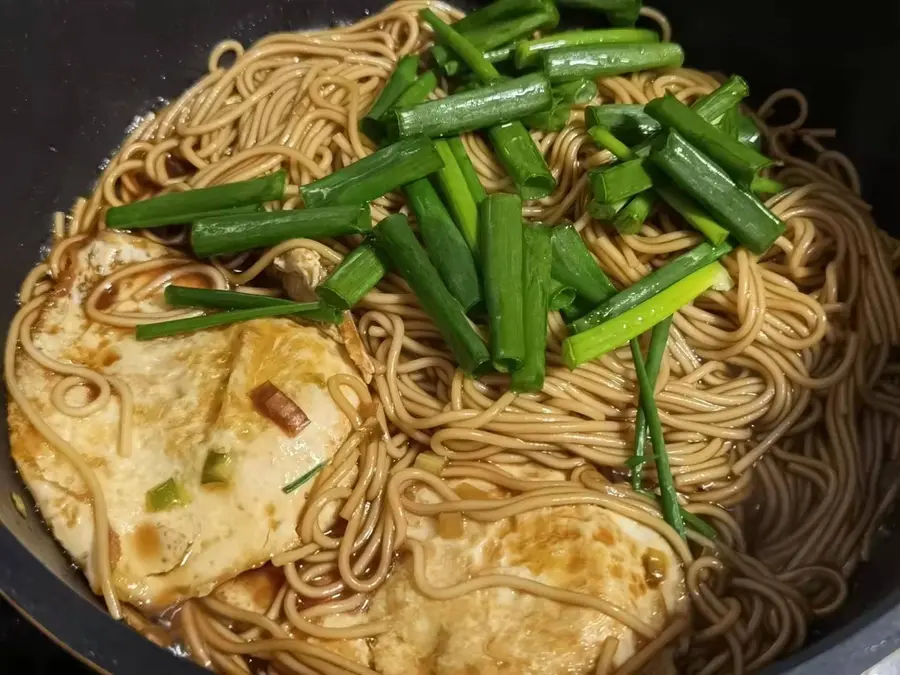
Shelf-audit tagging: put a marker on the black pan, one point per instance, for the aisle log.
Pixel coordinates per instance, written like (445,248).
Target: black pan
(75,72)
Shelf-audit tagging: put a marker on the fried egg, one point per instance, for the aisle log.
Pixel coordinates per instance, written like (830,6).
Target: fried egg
(191,396)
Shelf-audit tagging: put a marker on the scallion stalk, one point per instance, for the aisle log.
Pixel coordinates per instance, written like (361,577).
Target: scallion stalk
(537,261)
(498,11)
(614,333)
(620,181)
(561,295)
(511,30)
(454,189)
(631,218)
(575,266)
(501,242)
(302,480)
(397,241)
(571,63)
(668,494)
(554,119)
(626,121)
(357,274)
(741,162)
(476,189)
(659,336)
(418,91)
(401,79)
(208,298)
(577,92)
(446,245)
(605,213)
(177,208)
(658,280)
(528,53)
(475,109)
(744,216)
(374,176)
(220,235)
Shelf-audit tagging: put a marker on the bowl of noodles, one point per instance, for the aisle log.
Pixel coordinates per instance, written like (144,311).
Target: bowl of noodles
(431,339)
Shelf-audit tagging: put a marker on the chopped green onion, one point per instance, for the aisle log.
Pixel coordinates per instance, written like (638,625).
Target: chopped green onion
(501,256)
(356,275)
(401,79)
(475,109)
(374,176)
(151,331)
(741,162)
(185,296)
(305,478)
(522,160)
(574,265)
(528,53)
(614,333)
(572,63)
(659,279)
(511,30)
(418,91)
(668,494)
(605,213)
(220,235)
(446,245)
(766,185)
(554,119)
(397,241)
(577,92)
(619,181)
(577,309)
(537,260)
(476,189)
(453,38)
(695,215)
(167,495)
(561,296)
(178,208)
(499,10)
(631,218)
(217,468)
(658,338)
(699,525)
(454,189)
(744,216)
(627,121)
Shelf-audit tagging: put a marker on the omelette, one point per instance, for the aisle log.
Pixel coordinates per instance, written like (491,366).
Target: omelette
(192,397)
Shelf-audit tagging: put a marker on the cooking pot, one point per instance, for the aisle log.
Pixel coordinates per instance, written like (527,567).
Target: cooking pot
(75,73)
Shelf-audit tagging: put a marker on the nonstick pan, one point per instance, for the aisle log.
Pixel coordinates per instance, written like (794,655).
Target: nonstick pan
(76,72)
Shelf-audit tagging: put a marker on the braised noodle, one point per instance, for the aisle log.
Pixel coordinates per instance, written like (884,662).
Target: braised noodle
(779,397)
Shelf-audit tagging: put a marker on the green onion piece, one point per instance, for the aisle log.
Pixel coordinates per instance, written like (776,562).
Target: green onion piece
(528,53)
(537,260)
(738,160)
(476,189)
(454,188)
(184,296)
(744,216)
(606,60)
(747,132)
(217,468)
(177,208)
(600,5)
(561,296)
(151,331)
(577,92)
(627,121)
(699,525)
(574,265)
(451,66)
(554,119)
(167,495)
(357,274)
(606,140)
(619,181)
(224,234)
(401,79)
(579,307)
(475,109)
(511,30)
(605,213)
(496,11)
(418,91)
(501,255)
(631,218)
(658,338)
(467,51)
(695,215)
(667,492)
(500,54)
(766,185)
(236,211)
(305,478)
(711,107)
(397,241)
(374,176)
(658,280)
(597,341)
(522,160)
(446,245)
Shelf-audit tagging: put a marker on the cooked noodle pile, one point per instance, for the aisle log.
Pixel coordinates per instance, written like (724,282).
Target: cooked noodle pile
(779,397)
